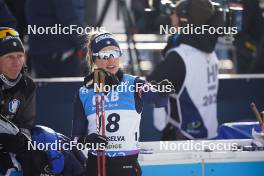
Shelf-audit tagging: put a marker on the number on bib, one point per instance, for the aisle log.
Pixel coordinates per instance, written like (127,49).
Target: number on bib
(113,120)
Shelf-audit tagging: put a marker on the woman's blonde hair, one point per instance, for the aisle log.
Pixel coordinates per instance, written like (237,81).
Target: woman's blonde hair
(90,61)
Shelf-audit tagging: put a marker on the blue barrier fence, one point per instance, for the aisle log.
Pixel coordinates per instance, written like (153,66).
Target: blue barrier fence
(212,169)
(55,99)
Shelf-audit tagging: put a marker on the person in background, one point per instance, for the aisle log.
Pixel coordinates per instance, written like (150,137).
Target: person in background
(191,66)
(160,115)
(248,41)
(58,54)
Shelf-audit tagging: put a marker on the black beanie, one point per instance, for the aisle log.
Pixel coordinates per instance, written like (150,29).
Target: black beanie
(198,12)
(10,41)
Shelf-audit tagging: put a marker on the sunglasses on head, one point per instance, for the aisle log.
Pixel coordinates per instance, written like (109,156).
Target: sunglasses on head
(4,33)
(108,53)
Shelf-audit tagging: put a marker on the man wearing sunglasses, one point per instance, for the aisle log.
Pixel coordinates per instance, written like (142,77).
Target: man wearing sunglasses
(122,108)
(17,98)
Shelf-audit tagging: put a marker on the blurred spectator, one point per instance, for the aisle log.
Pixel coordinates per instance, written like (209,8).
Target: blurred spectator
(248,40)
(6,18)
(191,65)
(56,54)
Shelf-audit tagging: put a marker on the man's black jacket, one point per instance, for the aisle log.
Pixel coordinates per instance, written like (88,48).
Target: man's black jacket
(18,102)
